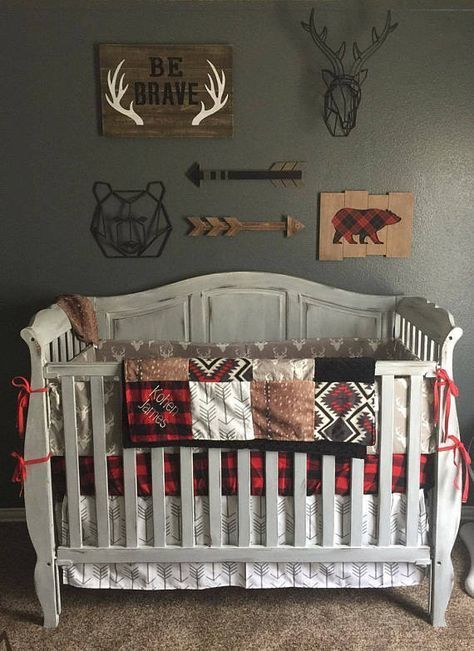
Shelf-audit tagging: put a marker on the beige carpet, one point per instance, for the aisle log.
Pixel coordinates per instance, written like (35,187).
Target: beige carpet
(226,618)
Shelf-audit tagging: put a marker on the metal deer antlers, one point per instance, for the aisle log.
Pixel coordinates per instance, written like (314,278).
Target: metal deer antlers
(343,93)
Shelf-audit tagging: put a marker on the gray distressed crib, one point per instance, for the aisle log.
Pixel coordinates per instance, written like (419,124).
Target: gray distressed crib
(235,307)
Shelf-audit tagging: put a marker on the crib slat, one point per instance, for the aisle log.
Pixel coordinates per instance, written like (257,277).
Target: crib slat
(71,459)
(413,460)
(419,343)
(158,496)
(55,354)
(357,500)
(130,495)
(271,498)
(328,495)
(425,348)
(187,497)
(243,480)
(299,498)
(100,461)
(215,504)
(402,330)
(76,346)
(70,344)
(432,351)
(385,460)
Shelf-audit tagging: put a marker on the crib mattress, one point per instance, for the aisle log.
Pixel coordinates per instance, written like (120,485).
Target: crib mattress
(196,576)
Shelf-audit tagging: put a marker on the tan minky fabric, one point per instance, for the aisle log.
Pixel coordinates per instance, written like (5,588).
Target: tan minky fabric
(226,618)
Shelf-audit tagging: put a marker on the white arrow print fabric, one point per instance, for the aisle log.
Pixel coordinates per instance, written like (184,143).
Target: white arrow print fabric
(171,576)
(221,410)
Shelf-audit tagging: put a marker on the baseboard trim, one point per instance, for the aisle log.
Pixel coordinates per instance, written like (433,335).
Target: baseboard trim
(467,514)
(18,515)
(12,515)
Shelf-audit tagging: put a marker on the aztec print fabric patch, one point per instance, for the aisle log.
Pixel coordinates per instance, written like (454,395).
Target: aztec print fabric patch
(221,410)
(345,400)
(283,410)
(220,370)
(157,411)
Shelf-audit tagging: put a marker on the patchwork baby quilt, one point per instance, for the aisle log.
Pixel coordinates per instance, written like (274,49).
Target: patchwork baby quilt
(321,405)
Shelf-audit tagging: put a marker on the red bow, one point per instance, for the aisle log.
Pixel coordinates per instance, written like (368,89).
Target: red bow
(443,380)
(23,399)
(19,474)
(465,458)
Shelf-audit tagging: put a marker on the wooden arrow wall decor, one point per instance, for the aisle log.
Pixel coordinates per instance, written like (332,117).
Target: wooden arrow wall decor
(285,174)
(230,226)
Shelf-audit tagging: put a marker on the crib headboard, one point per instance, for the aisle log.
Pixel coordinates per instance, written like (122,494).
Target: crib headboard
(244,306)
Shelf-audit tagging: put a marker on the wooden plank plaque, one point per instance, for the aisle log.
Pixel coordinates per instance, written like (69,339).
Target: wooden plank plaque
(355,224)
(166,90)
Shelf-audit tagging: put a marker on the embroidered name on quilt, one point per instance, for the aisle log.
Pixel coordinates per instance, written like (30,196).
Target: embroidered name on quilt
(163,401)
(306,405)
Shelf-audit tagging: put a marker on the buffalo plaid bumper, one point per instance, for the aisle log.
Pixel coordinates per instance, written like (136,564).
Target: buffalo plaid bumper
(229,474)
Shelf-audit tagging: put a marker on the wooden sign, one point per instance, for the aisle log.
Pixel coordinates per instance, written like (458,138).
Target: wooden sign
(355,224)
(166,90)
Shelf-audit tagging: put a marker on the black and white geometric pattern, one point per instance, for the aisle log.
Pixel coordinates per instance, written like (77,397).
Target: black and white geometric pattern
(220,369)
(345,412)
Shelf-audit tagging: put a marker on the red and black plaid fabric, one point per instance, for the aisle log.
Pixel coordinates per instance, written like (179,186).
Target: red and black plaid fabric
(157,411)
(351,221)
(229,474)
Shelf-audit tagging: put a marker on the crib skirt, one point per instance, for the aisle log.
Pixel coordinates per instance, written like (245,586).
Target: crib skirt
(195,576)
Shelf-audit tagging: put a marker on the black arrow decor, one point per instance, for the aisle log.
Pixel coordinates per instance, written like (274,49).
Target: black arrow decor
(283,174)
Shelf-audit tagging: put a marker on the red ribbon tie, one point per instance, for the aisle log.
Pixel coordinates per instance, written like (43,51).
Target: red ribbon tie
(450,389)
(458,445)
(23,399)
(19,474)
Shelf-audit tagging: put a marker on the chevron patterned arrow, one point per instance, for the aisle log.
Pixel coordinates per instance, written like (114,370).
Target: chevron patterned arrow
(231,226)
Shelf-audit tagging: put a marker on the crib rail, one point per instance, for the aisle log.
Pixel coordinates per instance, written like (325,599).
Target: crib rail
(300,550)
(64,348)
(425,328)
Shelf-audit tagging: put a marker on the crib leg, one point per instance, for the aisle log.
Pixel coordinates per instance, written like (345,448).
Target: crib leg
(47,592)
(442,581)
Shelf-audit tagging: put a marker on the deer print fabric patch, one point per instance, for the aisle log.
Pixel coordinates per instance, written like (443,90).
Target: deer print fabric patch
(283,410)
(154,368)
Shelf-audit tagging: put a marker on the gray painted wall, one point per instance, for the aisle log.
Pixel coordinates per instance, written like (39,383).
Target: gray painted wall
(415,132)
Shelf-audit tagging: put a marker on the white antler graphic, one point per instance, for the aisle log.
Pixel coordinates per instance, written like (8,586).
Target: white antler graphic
(116,95)
(217,96)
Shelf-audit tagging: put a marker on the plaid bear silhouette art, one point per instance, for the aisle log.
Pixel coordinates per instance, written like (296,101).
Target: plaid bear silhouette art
(353,221)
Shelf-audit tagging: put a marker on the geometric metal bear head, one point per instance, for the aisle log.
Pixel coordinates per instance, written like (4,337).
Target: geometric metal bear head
(130,223)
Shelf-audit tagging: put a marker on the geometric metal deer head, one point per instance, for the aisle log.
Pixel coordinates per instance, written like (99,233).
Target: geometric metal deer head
(343,93)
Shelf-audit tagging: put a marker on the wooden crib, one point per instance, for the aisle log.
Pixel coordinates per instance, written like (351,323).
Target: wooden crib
(235,307)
